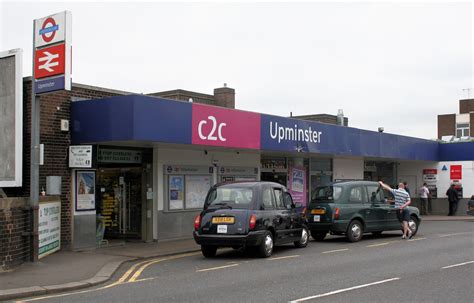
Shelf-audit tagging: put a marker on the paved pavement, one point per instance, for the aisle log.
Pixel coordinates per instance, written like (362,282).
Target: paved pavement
(65,271)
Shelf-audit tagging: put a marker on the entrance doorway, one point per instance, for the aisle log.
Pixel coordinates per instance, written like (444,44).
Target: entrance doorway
(274,177)
(120,202)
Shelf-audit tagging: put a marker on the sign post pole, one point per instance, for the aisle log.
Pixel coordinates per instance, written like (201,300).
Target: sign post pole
(51,72)
(34,159)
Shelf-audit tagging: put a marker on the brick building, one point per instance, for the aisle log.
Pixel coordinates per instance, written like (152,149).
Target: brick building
(223,96)
(458,125)
(15,214)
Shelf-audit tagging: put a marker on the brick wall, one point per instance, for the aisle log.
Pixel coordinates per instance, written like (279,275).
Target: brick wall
(14,223)
(466,106)
(446,125)
(54,107)
(471,124)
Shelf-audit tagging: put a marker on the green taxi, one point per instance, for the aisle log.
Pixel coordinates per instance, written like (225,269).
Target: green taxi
(352,208)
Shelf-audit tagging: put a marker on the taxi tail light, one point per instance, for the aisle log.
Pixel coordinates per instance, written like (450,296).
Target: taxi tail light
(197,222)
(252,222)
(336,213)
(303,213)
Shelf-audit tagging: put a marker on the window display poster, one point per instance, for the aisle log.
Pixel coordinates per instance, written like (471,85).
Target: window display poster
(298,184)
(176,192)
(85,190)
(196,190)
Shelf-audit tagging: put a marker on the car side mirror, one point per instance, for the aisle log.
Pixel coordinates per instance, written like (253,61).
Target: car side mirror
(298,205)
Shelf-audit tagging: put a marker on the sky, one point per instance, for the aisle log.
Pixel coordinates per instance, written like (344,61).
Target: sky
(395,65)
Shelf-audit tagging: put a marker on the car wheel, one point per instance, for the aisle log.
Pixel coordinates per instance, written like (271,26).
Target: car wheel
(265,249)
(377,233)
(303,242)
(319,235)
(355,231)
(208,251)
(413,225)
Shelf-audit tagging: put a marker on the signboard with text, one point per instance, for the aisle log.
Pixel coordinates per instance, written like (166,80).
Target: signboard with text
(49,228)
(52,53)
(455,172)
(80,156)
(216,126)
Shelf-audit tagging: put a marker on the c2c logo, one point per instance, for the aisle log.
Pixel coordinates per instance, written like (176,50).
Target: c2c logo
(215,126)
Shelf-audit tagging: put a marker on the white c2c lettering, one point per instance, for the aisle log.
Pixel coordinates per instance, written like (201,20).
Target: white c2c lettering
(215,126)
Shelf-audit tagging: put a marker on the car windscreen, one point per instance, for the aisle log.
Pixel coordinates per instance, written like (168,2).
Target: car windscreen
(326,194)
(230,197)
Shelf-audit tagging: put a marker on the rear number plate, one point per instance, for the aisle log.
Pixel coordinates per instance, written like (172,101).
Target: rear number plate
(318,211)
(223,220)
(221,229)
(317,218)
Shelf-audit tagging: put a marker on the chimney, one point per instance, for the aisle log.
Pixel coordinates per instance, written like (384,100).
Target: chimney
(225,96)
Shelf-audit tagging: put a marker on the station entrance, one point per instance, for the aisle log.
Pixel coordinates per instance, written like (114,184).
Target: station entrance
(120,202)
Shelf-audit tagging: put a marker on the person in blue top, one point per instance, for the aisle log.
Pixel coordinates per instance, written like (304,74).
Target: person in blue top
(402,200)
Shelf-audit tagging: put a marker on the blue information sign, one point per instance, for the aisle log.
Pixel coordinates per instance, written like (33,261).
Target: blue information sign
(49,85)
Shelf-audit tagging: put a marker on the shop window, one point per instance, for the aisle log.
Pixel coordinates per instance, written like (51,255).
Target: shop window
(187,191)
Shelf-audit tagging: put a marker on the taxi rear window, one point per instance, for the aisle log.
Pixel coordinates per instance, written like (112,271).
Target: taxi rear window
(230,197)
(326,194)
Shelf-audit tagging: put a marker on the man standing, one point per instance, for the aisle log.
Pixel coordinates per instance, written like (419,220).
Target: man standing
(453,200)
(424,192)
(405,186)
(402,200)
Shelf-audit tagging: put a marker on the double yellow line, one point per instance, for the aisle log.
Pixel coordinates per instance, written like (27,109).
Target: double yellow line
(135,273)
(127,277)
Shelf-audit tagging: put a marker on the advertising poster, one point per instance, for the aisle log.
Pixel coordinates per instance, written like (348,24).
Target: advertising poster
(49,228)
(196,190)
(85,190)
(298,184)
(176,192)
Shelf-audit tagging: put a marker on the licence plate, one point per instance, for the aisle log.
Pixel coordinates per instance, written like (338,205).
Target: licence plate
(223,220)
(317,218)
(318,211)
(221,229)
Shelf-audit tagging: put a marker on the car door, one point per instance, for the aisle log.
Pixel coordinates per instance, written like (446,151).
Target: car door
(377,217)
(392,212)
(282,216)
(295,218)
(357,204)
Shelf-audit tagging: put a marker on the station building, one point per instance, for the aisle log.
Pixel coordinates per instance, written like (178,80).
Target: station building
(184,148)
(153,158)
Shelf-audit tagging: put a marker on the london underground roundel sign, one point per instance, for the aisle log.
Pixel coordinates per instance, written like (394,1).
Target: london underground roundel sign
(50,29)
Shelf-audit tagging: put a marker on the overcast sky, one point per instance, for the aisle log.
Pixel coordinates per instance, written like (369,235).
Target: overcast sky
(396,65)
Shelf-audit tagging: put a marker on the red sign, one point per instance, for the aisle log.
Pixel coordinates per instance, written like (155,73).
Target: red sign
(430,171)
(455,172)
(49,61)
(218,126)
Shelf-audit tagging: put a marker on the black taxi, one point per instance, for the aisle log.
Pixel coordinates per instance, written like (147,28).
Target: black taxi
(249,214)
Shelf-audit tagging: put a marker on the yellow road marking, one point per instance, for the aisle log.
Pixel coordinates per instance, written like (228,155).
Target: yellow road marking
(280,258)
(218,267)
(449,235)
(332,251)
(118,282)
(142,280)
(143,267)
(416,239)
